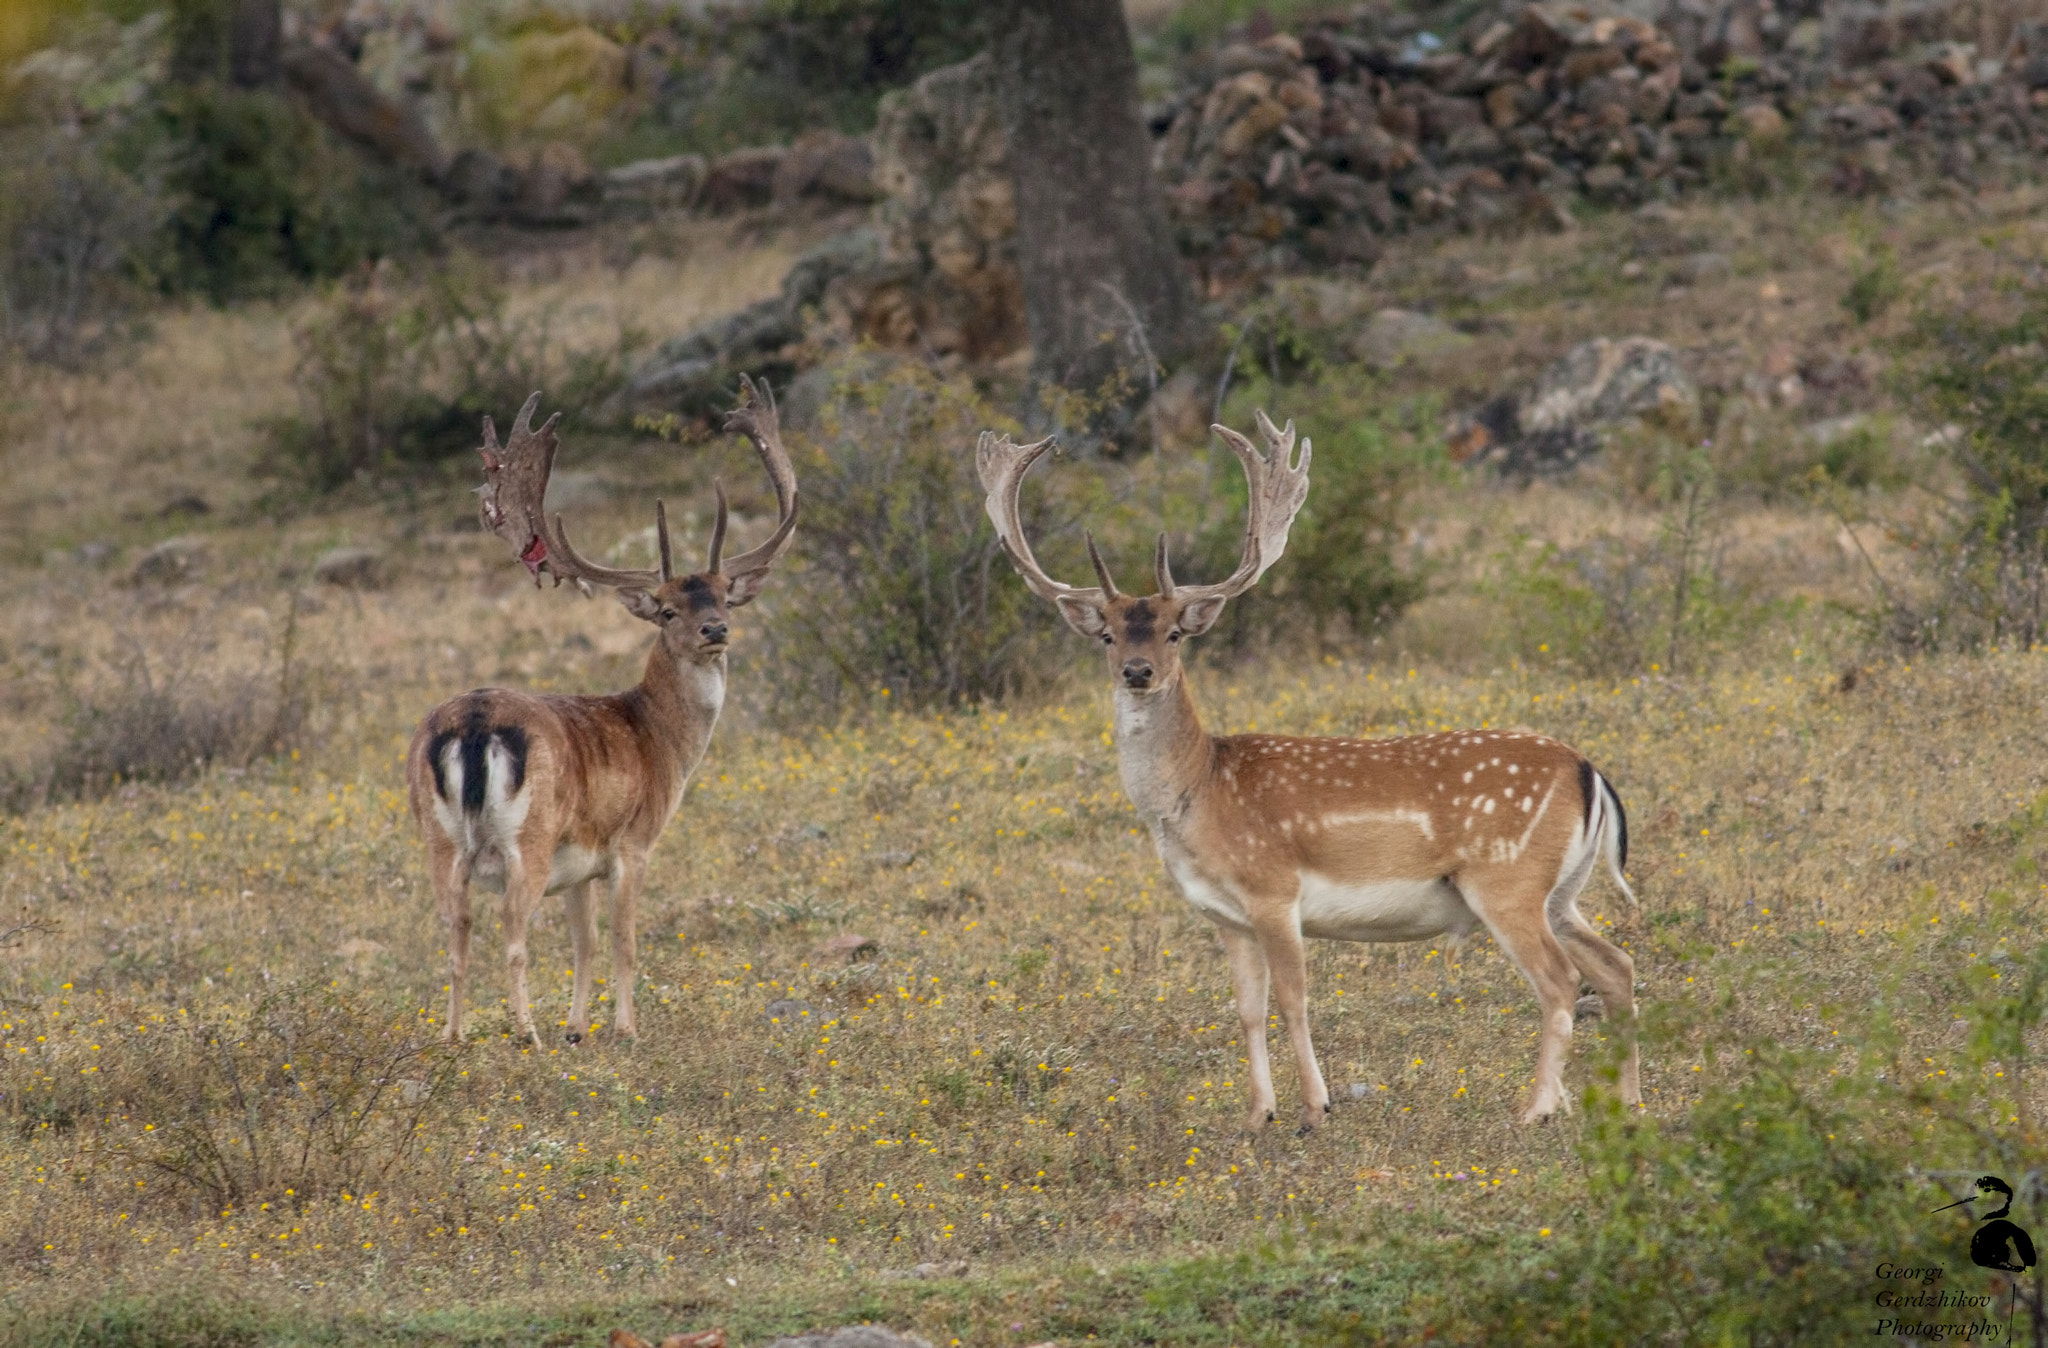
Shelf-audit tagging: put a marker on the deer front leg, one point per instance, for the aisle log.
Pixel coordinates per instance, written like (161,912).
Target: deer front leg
(1286,957)
(625,917)
(1248,978)
(450,875)
(583,940)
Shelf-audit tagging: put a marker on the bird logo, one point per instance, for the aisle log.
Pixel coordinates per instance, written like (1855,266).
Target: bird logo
(1999,1243)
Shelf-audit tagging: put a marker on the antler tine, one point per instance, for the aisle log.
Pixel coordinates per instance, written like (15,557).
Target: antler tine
(1109,589)
(668,565)
(717,528)
(510,502)
(1001,463)
(1162,573)
(1274,492)
(757,419)
(574,566)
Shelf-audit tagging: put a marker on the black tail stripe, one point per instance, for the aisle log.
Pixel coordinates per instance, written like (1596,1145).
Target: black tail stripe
(474,739)
(1620,819)
(1586,776)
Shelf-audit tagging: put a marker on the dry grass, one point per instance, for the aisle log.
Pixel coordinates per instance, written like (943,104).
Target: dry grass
(1035,1066)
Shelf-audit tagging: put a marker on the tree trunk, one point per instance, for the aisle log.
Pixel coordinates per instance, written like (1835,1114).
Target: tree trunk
(1103,285)
(255,43)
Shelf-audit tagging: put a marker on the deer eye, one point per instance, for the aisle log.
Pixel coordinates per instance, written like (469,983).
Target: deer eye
(668,615)
(1108,640)
(1173,637)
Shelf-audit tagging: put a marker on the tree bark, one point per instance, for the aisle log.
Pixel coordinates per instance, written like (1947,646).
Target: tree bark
(1103,283)
(255,43)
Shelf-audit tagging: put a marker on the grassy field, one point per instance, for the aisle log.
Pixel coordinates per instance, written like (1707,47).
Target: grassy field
(226,1119)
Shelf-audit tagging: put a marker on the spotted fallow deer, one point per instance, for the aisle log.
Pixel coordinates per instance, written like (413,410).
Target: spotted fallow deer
(1275,838)
(528,794)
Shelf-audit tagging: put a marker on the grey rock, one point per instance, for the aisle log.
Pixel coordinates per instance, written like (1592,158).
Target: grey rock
(1392,337)
(786,1009)
(353,568)
(1589,1007)
(852,1336)
(653,184)
(892,861)
(170,562)
(1605,381)
(701,368)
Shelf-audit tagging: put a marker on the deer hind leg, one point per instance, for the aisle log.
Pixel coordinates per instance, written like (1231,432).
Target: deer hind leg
(450,874)
(1286,957)
(1613,975)
(1248,980)
(583,940)
(1516,920)
(524,886)
(625,917)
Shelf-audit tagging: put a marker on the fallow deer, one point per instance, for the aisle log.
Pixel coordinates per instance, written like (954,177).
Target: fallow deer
(530,794)
(1276,838)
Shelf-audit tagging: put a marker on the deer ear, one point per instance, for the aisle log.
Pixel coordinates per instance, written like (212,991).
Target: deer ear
(1199,615)
(1083,616)
(641,605)
(743,588)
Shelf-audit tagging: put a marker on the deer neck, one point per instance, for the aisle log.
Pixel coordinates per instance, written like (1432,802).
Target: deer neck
(684,697)
(1162,750)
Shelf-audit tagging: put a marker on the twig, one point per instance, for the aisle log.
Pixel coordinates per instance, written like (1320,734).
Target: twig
(1152,386)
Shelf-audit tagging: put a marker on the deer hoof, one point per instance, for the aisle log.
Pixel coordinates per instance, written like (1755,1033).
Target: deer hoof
(575,1036)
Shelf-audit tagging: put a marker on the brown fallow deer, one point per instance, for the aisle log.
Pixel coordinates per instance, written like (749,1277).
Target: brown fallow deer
(528,794)
(1275,838)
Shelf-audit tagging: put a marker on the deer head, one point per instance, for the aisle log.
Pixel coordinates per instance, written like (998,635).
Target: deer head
(1143,636)
(692,610)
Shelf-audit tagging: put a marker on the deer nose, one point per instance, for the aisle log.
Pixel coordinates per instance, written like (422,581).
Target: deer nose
(712,631)
(1137,672)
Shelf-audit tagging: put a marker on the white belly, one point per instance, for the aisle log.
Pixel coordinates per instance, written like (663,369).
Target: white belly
(1383,910)
(572,865)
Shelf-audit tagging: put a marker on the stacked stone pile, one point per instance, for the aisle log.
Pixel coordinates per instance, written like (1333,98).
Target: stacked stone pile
(1310,147)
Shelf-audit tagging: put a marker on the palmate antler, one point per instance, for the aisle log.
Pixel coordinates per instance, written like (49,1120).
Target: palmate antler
(512,502)
(1276,487)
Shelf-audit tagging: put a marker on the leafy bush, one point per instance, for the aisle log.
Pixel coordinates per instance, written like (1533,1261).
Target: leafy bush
(1759,1214)
(909,593)
(794,65)
(72,228)
(1345,574)
(1982,369)
(266,196)
(393,375)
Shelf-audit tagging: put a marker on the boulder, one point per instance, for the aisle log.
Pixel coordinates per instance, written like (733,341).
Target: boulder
(648,185)
(171,562)
(741,178)
(1605,381)
(1393,337)
(350,568)
(854,1336)
(1557,422)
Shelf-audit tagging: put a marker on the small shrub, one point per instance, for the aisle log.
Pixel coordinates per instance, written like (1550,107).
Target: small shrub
(1620,602)
(72,231)
(1982,369)
(1876,284)
(266,197)
(391,376)
(149,726)
(908,592)
(315,1092)
(1345,574)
